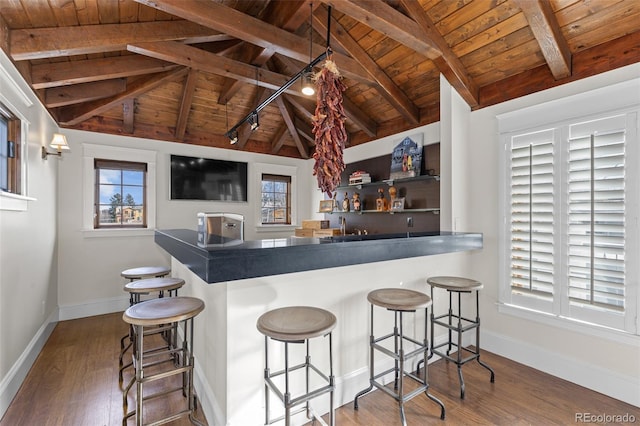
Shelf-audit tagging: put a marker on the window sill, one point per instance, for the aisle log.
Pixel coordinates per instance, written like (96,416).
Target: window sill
(119,232)
(14,202)
(569,324)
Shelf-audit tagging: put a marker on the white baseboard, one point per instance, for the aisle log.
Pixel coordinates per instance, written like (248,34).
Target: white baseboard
(11,383)
(94,307)
(622,387)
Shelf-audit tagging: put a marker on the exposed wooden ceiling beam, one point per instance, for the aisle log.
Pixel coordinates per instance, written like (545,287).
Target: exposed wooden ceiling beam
(47,75)
(4,36)
(389,90)
(185,105)
(237,24)
(421,36)
(84,92)
(305,130)
(287,116)
(256,55)
(278,139)
(545,28)
(449,64)
(128,113)
(39,43)
(75,114)
(209,62)
(383,18)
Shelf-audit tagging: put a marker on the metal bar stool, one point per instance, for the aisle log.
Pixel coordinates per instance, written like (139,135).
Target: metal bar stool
(136,290)
(399,301)
(143,272)
(456,322)
(297,324)
(152,313)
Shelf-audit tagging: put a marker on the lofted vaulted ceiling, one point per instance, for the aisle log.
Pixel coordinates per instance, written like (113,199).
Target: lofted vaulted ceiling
(188,70)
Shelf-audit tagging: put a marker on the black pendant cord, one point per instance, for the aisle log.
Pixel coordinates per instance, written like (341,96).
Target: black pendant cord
(234,130)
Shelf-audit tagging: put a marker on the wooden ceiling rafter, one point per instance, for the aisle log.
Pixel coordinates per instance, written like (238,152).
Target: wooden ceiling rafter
(185,103)
(422,37)
(48,75)
(128,115)
(257,55)
(545,28)
(387,88)
(236,24)
(45,43)
(287,116)
(85,92)
(75,114)
(279,138)
(448,63)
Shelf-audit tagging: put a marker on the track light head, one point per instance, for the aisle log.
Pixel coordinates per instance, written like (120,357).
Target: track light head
(308,88)
(254,121)
(233,137)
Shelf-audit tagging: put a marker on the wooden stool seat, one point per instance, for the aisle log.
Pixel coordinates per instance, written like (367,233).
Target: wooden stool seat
(455,283)
(149,285)
(145,272)
(399,299)
(163,311)
(296,323)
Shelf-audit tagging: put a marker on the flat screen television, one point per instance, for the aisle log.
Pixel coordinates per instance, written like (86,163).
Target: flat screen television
(194,178)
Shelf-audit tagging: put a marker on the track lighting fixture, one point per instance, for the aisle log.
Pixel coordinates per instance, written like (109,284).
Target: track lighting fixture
(233,137)
(254,122)
(307,83)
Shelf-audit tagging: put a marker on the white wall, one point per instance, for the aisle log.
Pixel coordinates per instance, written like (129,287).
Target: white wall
(90,262)
(28,252)
(606,361)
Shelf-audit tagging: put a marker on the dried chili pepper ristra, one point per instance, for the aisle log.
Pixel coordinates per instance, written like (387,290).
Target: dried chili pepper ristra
(328,128)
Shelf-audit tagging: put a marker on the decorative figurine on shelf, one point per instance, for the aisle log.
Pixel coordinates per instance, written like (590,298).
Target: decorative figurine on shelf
(346,203)
(382,204)
(356,202)
(334,206)
(393,192)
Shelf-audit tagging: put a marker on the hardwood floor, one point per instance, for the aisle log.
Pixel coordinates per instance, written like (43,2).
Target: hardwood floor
(74,382)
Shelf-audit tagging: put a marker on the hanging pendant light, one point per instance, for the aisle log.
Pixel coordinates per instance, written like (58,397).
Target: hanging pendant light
(308,87)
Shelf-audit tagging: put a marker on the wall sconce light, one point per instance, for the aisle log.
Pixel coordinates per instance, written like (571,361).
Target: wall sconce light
(59,143)
(254,121)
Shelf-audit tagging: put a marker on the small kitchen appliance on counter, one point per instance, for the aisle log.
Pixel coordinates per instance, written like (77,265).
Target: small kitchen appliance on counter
(220,229)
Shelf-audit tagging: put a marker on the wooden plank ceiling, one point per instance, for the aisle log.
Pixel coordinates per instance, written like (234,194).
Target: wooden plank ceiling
(188,70)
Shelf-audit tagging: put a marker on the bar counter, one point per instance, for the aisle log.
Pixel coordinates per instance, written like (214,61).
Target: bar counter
(336,274)
(251,259)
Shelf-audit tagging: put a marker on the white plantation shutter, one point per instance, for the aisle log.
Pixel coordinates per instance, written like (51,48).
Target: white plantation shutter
(571,202)
(596,214)
(532,213)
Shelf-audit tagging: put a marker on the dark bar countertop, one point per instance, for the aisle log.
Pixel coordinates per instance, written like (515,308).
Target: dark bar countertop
(258,258)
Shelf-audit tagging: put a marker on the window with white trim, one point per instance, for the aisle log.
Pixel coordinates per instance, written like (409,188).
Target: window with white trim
(10,152)
(275,199)
(121,194)
(571,220)
(91,180)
